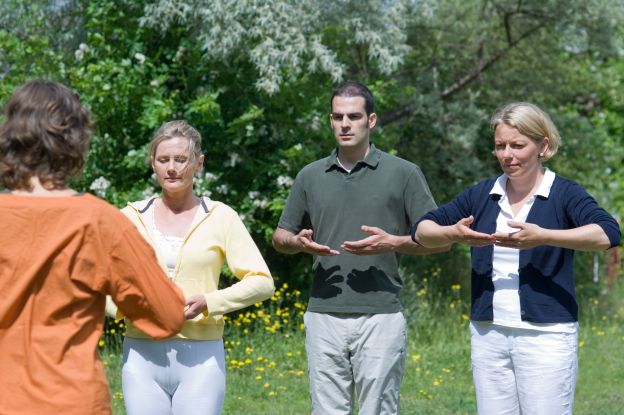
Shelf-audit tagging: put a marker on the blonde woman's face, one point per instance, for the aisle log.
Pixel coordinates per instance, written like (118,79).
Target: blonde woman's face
(174,165)
(517,154)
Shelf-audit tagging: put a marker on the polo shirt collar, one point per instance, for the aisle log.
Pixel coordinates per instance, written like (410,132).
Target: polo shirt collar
(542,191)
(371,159)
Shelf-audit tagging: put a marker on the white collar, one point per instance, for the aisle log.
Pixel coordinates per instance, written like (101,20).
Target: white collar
(543,190)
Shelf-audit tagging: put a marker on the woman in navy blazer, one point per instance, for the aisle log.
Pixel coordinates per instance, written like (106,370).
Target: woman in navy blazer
(523,228)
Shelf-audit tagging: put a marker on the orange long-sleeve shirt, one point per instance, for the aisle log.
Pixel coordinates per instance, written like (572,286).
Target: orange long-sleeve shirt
(59,258)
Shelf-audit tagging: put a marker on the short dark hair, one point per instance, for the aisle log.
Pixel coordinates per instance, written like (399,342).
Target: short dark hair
(45,134)
(355,89)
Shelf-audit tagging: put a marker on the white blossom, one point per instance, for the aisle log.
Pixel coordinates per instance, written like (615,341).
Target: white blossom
(285,181)
(253,194)
(222,189)
(261,203)
(209,177)
(99,186)
(139,57)
(80,52)
(234,159)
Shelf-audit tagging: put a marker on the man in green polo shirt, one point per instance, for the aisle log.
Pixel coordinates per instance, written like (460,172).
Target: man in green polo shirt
(352,211)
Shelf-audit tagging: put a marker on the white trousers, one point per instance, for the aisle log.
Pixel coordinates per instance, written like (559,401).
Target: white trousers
(173,377)
(520,371)
(355,354)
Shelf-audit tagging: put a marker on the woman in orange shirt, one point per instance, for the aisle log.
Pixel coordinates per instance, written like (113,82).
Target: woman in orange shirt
(62,253)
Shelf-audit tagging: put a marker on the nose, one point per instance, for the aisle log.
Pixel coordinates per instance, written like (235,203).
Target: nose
(507,152)
(345,123)
(171,166)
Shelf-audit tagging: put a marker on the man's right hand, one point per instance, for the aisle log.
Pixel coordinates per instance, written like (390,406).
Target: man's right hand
(287,242)
(304,239)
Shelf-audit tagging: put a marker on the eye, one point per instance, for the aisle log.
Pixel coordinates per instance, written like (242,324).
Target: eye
(162,159)
(356,116)
(336,117)
(180,159)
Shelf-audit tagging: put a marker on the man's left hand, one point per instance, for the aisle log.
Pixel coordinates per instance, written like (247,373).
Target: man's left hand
(379,242)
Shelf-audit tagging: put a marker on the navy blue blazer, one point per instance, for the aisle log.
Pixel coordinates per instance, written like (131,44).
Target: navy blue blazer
(547,293)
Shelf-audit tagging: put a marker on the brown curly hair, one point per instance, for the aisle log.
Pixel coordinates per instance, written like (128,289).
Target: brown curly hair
(45,134)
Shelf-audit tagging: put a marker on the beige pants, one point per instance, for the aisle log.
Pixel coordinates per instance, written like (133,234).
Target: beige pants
(353,355)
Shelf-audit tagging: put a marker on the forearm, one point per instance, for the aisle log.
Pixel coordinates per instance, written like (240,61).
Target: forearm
(250,290)
(433,236)
(405,245)
(585,238)
(286,242)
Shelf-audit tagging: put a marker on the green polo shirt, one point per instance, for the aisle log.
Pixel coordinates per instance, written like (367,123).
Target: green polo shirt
(383,191)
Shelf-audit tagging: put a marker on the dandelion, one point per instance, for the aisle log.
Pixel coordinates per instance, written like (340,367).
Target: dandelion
(266,384)
(258,377)
(416,357)
(465,317)
(271,393)
(101,343)
(581,343)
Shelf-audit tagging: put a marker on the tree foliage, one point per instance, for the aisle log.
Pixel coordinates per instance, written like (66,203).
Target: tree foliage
(255,77)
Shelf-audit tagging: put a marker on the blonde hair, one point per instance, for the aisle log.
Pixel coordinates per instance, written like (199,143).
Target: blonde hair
(177,128)
(530,121)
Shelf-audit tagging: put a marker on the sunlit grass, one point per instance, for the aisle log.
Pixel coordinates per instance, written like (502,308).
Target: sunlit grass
(266,363)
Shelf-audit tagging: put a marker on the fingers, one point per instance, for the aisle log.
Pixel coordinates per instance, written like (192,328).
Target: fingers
(373,230)
(317,249)
(467,221)
(518,225)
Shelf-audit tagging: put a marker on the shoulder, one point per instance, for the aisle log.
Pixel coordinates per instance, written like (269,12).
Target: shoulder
(396,162)
(105,213)
(316,166)
(219,209)
(564,188)
(478,193)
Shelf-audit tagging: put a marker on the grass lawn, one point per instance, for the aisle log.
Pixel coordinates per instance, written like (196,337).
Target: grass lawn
(267,368)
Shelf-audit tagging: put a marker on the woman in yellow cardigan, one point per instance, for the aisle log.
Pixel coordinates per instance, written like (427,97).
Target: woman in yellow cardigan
(192,237)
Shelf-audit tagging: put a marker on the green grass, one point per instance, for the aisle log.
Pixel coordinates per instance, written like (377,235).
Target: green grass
(267,370)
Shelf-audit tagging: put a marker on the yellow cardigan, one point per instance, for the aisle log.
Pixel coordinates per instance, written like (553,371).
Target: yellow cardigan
(216,235)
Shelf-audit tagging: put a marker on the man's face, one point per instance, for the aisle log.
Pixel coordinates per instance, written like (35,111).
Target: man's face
(350,123)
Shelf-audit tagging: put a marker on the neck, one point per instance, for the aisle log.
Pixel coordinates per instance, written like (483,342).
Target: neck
(38,189)
(179,203)
(350,156)
(523,186)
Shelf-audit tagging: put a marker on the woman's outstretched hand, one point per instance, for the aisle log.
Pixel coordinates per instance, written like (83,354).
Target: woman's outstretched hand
(462,233)
(524,235)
